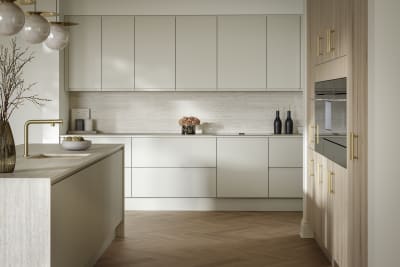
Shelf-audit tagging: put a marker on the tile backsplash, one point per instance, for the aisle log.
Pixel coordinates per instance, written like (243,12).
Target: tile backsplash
(159,112)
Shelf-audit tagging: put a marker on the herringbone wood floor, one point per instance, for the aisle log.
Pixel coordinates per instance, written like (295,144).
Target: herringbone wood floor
(213,239)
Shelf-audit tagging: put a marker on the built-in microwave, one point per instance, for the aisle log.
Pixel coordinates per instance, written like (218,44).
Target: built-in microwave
(331,119)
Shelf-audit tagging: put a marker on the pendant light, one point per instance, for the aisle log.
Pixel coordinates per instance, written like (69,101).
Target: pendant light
(12,18)
(36,28)
(59,35)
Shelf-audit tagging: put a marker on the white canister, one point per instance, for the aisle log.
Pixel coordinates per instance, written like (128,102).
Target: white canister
(88,125)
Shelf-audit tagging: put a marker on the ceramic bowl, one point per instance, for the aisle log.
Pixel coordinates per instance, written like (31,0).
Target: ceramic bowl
(76,145)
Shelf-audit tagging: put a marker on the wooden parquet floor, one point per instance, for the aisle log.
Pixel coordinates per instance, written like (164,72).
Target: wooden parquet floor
(213,239)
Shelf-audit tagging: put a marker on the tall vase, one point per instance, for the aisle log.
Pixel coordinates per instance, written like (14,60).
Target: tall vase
(7,148)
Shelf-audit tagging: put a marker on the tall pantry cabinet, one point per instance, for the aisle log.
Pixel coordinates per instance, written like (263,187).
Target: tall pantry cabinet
(337,48)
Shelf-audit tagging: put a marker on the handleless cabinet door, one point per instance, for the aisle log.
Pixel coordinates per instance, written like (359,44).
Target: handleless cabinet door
(196,53)
(118,53)
(242,167)
(285,182)
(283,52)
(84,54)
(128,182)
(242,53)
(155,53)
(286,152)
(126,141)
(174,152)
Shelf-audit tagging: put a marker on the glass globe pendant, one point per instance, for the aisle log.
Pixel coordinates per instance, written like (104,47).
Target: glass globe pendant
(59,36)
(36,28)
(12,18)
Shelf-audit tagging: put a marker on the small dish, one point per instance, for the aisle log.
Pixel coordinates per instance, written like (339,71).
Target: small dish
(76,145)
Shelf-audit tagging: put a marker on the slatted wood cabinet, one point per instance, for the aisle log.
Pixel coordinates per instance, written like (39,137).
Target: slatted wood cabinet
(336,44)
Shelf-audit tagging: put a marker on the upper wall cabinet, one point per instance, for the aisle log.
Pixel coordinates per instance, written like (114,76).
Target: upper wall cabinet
(283,52)
(242,53)
(196,53)
(155,53)
(118,51)
(330,33)
(84,54)
(185,53)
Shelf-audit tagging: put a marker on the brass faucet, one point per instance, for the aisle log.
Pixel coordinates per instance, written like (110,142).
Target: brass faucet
(26,132)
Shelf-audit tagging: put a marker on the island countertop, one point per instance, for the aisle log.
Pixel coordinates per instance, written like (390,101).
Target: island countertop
(57,168)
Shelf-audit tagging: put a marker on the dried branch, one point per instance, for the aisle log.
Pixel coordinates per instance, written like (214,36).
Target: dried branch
(13,92)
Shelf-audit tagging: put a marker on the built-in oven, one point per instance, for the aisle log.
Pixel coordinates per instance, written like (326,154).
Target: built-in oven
(331,119)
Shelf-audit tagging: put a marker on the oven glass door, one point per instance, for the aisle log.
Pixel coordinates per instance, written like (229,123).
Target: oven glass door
(331,120)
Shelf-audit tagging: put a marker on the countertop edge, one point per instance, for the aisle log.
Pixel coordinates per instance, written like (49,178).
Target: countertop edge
(84,165)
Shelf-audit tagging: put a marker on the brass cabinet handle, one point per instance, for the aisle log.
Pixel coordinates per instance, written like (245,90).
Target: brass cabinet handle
(319,50)
(328,41)
(353,138)
(320,173)
(317,130)
(312,136)
(312,174)
(332,40)
(330,182)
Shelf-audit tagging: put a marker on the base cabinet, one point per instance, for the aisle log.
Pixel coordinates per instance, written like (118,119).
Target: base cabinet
(242,167)
(329,195)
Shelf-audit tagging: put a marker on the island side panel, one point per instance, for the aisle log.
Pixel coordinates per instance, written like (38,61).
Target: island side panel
(25,222)
(87,208)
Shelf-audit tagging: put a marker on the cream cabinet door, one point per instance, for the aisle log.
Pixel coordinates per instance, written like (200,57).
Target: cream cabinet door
(242,167)
(174,182)
(242,53)
(286,152)
(286,182)
(128,182)
(155,53)
(84,54)
(118,43)
(126,141)
(196,53)
(174,152)
(284,52)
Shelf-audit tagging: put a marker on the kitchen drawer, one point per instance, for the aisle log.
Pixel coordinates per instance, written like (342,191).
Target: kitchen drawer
(174,152)
(128,182)
(285,182)
(126,141)
(174,182)
(286,152)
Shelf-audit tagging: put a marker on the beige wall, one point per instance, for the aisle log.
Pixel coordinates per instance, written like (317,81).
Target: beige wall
(384,144)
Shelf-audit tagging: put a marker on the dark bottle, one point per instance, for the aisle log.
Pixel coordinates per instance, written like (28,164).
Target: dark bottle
(277,124)
(289,123)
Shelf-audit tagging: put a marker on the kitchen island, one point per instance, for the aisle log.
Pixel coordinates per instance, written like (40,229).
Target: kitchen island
(61,208)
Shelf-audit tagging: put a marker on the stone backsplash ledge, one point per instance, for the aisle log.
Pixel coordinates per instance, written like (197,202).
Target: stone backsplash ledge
(159,112)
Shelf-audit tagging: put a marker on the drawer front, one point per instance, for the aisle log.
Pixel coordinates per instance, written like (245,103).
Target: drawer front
(128,182)
(285,182)
(174,152)
(174,182)
(126,141)
(286,152)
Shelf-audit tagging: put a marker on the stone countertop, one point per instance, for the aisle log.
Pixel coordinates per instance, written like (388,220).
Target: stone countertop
(56,169)
(267,134)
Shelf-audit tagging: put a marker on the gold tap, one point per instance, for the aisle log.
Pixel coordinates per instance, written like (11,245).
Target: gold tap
(26,132)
